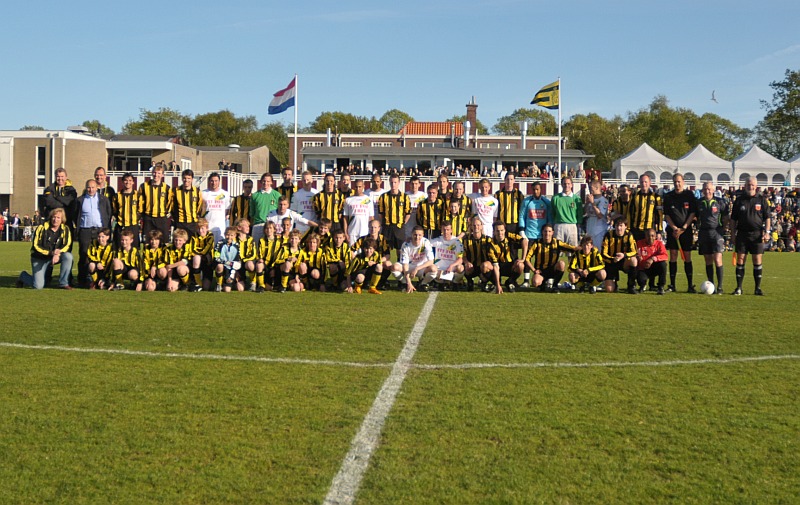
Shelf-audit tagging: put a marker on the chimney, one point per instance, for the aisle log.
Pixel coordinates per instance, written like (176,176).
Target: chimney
(472,117)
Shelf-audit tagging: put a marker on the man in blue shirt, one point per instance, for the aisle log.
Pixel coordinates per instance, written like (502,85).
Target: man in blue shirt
(94,214)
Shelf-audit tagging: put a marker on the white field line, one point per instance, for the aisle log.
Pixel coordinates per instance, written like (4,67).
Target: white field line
(445,366)
(347,481)
(224,357)
(607,364)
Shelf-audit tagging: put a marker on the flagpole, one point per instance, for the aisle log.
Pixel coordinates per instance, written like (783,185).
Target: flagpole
(294,168)
(559,130)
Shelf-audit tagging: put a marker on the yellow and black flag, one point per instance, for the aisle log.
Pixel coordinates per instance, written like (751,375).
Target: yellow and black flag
(547,97)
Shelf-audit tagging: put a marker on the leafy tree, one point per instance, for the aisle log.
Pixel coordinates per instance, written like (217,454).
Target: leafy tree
(341,122)
(606,139)
(219,128)
(98,128)
(779,132)
(164,121)
(482,130)
(719,135)
(32,128)
(663,127)
(540,123)
(393,120)
(274,136)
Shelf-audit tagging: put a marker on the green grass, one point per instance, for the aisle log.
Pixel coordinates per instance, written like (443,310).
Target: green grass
(80,427)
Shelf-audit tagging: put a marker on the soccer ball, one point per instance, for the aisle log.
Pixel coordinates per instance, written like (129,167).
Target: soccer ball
(707,288)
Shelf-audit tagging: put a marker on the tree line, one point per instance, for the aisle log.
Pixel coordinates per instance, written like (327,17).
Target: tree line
(670,130)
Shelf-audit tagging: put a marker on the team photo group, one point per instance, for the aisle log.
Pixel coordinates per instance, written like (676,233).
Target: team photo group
(358,236)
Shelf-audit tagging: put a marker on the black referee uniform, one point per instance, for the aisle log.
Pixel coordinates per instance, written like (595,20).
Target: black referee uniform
(750,221)
(710,240)
(678,213)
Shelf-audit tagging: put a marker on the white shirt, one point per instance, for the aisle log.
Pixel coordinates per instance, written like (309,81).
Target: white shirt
(411,254)
(374,194)
(361,209)
(596,225)
(217,204)
(416,199)
(276,218)
(447,251)
(301,203)
(485,207)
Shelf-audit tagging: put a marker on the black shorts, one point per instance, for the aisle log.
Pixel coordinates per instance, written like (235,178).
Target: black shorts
(750,244)
(591,276)
(710,242)
(507,269)
(613,269)
(638,234)
(549,272)
(394,236)
(685,241)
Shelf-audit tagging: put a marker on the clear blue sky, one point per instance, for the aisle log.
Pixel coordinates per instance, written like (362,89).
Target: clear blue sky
(66,62)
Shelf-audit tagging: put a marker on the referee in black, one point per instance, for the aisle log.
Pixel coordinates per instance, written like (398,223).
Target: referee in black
(679,207)
(750,227)
(712,217)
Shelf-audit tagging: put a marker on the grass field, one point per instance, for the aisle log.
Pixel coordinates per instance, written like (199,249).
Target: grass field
(190,398)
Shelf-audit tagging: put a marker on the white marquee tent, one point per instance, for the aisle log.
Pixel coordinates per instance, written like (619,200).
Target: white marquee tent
(756,162)
(644,160)
(701,165)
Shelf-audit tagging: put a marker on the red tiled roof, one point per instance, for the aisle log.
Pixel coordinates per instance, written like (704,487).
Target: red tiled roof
(431,128)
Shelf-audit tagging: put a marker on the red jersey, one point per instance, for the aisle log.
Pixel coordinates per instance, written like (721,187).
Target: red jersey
(655,251)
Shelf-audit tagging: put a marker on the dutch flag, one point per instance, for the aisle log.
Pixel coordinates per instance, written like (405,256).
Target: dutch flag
(283,99)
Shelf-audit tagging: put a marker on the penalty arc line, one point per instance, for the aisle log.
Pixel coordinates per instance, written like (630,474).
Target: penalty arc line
(347,481)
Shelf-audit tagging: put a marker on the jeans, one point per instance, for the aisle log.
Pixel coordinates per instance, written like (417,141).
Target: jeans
(41,267)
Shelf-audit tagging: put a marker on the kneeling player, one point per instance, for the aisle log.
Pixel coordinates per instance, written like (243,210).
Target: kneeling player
(125,264)
(652,260)
(178,255)
(543,260)
(229,262)
(476,254)
(366,265)
(416,261)
(153,261)
(268,248)
(312,264)
(288,262)
(449,254)
(503,256)
(100,254)
(203,245)
(619,255)
(586,267)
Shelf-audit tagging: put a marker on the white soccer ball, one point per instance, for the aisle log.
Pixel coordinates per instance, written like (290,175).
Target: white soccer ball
(707,288)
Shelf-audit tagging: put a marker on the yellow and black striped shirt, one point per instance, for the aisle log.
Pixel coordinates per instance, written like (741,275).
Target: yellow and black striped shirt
(505,251)
(382,248)
(622,208)
(152,258)
(155,201)
(429,215)
(476,250)
(286,253)
(591,262)
(328,205)
(129,258)
(174,255)
(186,204)
(100,254)
(613,244)
(335,254)
(508,210)
(360,262)
(203,245)
(126,209)
(247,248)
(459,224)
(287,191)
(268,250)
(543,255)
(646,211)
(394,208)
(240,208)
(314,259)
(466,204)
